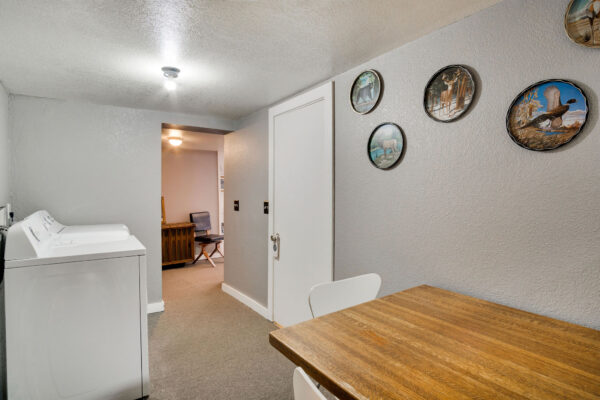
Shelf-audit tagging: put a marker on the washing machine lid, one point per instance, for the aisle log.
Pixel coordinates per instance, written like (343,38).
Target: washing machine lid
(39,240)
(95,233)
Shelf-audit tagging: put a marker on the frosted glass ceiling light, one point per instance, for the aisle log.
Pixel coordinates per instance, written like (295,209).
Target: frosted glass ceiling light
(170,85)
(175,138)
(175,141)
(170,73)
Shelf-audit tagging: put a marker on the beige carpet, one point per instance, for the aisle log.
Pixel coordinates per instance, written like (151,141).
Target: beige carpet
(207,345)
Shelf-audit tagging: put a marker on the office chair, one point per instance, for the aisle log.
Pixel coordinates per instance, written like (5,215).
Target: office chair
(203,236)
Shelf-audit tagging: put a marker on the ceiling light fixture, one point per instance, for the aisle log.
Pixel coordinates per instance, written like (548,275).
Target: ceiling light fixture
(175,138)
(170,73)
(170,85)
(175,142)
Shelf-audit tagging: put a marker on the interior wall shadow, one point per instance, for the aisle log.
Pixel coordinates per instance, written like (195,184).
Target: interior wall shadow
(2,320)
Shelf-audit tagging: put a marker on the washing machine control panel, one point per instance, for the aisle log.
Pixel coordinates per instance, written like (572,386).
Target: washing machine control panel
(28,238)
(38,234)
(43,226)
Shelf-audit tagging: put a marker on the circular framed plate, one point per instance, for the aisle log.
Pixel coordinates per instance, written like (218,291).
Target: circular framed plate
(582,22)
(449,93)
(366,91)
(547,115)
(386,145)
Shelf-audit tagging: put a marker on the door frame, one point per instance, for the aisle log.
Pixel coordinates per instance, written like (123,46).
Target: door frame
(323,92)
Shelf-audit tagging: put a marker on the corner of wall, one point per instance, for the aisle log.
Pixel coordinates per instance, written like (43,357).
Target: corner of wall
(246,175)
(4,197)
(5,153)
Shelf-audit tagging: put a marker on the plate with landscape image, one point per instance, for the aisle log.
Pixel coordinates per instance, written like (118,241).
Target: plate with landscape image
(449,93)
(386,145)
(582,22)
(366,91)
(547,115)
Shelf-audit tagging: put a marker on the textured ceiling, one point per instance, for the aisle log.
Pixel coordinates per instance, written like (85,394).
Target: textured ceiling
(235,55)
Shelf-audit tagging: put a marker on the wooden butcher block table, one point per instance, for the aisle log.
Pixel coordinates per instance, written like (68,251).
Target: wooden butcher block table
(429,343)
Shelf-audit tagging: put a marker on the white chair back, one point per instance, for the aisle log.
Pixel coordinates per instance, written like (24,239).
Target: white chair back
(326,298)
(304,388)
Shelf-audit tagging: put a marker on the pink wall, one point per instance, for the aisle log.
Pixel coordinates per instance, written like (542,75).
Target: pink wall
(189,184)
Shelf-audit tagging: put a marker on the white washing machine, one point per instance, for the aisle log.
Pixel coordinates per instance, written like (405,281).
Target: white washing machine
(76,323)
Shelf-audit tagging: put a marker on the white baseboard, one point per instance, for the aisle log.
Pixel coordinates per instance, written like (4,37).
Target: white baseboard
(156,307)
(244,299)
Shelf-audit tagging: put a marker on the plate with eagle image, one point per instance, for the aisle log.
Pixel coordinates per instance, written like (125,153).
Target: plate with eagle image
(547,115)
(582,22)
(386,145)
(366,91)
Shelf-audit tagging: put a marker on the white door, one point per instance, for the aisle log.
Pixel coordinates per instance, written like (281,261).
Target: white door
(301,200)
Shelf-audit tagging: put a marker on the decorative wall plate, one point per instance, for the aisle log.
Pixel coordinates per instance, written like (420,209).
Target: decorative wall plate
(366,91)
(547,115)
(386,145)
(449,93)
(582,22)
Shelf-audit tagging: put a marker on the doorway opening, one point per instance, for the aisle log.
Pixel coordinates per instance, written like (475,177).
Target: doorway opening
(192,196)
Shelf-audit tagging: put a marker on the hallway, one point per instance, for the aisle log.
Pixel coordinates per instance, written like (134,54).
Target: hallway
(207,345)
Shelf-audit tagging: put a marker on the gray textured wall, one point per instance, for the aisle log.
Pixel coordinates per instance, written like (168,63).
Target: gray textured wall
(4,197)
(89,164)
(246,180)
(467,209)
(4,163)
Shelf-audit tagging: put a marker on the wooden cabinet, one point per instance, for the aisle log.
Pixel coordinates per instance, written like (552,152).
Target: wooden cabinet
(177,243)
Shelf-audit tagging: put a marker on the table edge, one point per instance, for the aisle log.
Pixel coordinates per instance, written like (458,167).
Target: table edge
(311,370)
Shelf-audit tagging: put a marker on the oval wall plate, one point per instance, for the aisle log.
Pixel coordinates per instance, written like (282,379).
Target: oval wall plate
(547,115)
(386,145)
(366,91)
(449,93)
(582,22)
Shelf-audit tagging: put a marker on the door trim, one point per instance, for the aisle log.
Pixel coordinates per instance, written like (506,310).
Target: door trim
(321,93)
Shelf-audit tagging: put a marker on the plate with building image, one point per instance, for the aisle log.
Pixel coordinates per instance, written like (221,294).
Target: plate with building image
(547,115)
(386,145)
(582,22)
(449,93)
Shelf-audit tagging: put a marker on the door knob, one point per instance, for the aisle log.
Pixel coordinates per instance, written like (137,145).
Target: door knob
(275,239)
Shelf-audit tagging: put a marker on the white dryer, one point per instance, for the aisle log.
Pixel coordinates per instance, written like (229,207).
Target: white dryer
(76,324)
